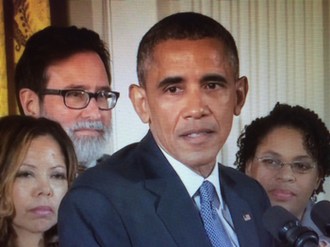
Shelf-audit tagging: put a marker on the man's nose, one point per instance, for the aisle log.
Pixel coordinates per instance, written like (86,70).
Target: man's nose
(91,111)
(195,104)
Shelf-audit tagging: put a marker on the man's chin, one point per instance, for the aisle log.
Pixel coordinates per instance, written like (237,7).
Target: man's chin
(89,149)
(88,157)
(91,139)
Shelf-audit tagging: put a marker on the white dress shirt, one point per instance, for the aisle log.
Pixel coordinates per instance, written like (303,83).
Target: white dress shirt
(193,181)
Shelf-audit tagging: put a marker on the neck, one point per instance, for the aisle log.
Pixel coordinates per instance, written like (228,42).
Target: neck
(301,216)
(205,171)
(28,239)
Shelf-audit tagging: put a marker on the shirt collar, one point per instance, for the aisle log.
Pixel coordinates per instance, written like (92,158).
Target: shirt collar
(191,180)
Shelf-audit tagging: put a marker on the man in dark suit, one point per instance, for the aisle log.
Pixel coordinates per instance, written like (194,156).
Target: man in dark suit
(168,190)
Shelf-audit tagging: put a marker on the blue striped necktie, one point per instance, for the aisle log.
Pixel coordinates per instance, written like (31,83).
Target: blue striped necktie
(212,223)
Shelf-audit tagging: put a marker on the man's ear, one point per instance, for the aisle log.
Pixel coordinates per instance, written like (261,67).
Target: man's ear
(30,102)
(138,97)
(242,88)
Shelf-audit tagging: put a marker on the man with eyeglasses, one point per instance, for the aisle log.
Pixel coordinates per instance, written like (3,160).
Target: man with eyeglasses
(64,75)
(288,152)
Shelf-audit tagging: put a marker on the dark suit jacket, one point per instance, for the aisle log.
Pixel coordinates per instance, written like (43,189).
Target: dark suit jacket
(135,198)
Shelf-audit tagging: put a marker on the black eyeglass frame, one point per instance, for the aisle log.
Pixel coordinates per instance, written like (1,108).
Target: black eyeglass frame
(90,96)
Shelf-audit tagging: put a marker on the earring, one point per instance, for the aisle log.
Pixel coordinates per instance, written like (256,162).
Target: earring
(314,196)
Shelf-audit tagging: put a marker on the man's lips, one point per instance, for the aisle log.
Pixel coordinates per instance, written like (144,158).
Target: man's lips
(197,135)
(282,194)
(196,132)
(89,131)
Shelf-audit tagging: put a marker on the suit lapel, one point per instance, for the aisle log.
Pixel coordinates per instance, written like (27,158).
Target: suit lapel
(240,212)
(173,204)
(178,212)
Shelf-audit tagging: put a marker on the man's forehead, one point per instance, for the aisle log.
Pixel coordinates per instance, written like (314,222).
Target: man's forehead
(188,60)
(83,70)
(187,48)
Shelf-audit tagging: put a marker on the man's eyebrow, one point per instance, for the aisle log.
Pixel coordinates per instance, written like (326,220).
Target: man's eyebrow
(71,87)
(170,81)
(104,88)
(83,87)
(214,77)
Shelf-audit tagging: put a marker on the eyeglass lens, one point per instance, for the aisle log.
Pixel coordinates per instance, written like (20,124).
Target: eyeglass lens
(296,166)
(80,99)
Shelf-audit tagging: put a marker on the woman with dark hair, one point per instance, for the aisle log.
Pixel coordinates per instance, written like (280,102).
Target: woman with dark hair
(37,166)
(288,152)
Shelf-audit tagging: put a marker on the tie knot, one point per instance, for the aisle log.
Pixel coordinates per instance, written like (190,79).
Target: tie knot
(207,191)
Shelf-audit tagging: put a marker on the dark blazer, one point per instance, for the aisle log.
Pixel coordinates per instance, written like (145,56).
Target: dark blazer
(135,198)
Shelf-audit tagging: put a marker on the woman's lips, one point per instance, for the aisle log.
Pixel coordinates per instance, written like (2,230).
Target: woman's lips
(42,211)
(282,195)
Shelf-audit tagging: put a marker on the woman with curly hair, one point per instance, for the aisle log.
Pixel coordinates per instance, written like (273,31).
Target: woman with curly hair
(37,166)
(288,152)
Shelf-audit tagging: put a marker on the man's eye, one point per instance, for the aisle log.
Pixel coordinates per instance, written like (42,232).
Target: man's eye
(172,89)
(212,85)
(75,94)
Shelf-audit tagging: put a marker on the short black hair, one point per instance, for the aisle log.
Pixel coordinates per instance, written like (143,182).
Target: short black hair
(184,25)
(315,133)
(52,45)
